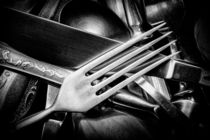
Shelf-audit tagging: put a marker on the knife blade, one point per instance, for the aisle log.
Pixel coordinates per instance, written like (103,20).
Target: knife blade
(174,69)
(51,41)
(36,36)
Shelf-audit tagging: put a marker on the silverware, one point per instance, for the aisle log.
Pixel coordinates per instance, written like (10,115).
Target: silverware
(48,10)
(53,125)
(165,103)
(78,94)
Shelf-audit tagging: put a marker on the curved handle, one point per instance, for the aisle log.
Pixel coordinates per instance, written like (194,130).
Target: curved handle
(33,118)
(49,9)
(16,60)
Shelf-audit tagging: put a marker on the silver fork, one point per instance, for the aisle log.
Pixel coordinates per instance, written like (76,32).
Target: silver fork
(78,94)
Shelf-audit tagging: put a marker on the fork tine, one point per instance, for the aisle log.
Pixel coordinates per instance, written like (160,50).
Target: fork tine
(157,23)
(114,89)
(127,57)
(129,67)
(119,49)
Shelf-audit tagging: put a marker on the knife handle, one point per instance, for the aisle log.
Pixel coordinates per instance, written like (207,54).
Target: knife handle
(15,60)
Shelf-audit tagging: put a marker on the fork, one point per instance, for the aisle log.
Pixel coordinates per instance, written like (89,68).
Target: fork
(78,94)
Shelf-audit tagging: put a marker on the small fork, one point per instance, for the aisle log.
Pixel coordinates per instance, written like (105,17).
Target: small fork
(78,94)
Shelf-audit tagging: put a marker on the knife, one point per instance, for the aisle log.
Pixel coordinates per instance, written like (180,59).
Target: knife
(174,69)
(74,48)
(50,41)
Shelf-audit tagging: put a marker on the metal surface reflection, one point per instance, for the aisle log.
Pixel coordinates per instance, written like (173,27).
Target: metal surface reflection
(169,102)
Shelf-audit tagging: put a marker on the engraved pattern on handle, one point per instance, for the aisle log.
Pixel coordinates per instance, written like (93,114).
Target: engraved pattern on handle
(15,60)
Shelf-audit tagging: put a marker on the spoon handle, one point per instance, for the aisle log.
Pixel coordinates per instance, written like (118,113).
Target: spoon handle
(48,11)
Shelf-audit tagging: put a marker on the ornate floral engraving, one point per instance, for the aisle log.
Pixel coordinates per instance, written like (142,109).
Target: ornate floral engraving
(27,100)
(23,64)
(3,79)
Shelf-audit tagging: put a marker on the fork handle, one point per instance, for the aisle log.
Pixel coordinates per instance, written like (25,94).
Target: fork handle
(34,118)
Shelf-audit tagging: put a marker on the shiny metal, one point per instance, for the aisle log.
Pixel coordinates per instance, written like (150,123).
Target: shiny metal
(12,86)
(76,47)
(53,125)
(79,104)
(44,70)
(175,69)
(133,16)
(182,71)
(159,84)
(78,100)
(192,73)
(136,16)
(137,21)
(98,19)
(94,18)
(49,9)
(15,60)
(12,58)
(27,99)
(52,93)
(171,110)
(117,6)
(187,106)
(171,11)
(129,100)
(51,129)
(132,13)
